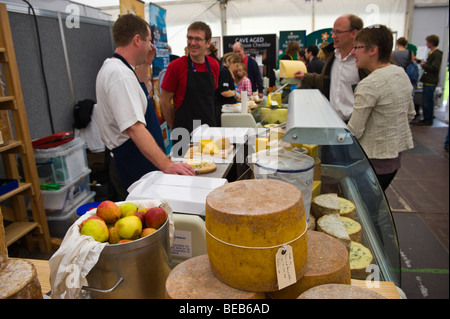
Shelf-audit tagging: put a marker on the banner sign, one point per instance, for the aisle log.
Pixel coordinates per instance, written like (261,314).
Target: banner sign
(318,37)
(157,17)
(289,36)
(262,47)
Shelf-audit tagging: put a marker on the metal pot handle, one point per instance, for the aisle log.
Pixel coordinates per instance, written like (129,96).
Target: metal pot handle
(102,290)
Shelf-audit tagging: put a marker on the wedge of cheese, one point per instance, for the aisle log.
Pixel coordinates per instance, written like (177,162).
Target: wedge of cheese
(208,147)
(353,228)
(327,263)
(246,223)
(194,279)
(346,208)
(360,257)
(332,225)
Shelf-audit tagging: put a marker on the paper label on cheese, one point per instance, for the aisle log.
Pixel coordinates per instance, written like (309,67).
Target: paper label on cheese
(284,261)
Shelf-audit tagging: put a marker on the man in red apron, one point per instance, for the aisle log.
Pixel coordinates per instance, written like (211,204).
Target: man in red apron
(126,116)
(191,82)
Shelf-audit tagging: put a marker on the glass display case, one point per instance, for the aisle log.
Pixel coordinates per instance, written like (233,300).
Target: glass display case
(346,170)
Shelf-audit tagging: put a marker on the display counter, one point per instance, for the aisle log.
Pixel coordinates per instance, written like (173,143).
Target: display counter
(386,289)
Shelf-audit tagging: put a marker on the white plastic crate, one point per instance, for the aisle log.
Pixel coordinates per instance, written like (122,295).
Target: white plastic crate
(56,201)
(62,164)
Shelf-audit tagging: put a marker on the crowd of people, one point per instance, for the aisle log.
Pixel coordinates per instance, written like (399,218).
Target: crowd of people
(369,85)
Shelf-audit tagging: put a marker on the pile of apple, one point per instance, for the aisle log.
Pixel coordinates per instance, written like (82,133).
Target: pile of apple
(122,223)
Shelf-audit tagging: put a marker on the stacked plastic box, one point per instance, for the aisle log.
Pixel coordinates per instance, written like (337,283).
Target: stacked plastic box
(64,177)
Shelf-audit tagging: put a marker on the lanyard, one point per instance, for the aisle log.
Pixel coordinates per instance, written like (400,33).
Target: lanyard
(207,65)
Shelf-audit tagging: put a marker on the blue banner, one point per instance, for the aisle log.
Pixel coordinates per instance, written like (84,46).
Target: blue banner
(157,17)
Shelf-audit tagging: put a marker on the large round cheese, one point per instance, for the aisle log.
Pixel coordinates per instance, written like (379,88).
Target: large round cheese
(327,263)
(19,280)
(193,279)
(336,291)
(247,222)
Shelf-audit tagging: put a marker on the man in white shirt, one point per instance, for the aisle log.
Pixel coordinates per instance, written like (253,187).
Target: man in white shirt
(339,75)
(126,116)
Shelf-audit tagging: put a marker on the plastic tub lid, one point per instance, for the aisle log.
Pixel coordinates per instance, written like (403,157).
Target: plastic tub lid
(86,207)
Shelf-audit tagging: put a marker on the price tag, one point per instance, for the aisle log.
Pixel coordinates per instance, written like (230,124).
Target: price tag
(284,260)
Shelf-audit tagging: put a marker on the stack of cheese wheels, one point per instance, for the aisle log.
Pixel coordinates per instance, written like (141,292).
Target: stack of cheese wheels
(18,278)
(246,223)
(193,279)
(327,263)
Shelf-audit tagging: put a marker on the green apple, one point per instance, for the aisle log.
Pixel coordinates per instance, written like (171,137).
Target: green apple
(97,229)
(129,227)
(125,208)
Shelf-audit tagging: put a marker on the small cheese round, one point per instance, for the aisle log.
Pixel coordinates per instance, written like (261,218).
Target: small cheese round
(324,204)
(19,280)
(194,279)
(247,222)
(346,208)
(336,291)
(353,228)
(360,258)
(327,263)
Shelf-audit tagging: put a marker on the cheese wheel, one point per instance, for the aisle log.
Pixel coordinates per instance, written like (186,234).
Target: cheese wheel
(19,280)
(360,257)
(324,204)
(336,291)
(353,228)
(247,222)
(327,263)
(346,208)
(333,226)
(317,169)
(194,279)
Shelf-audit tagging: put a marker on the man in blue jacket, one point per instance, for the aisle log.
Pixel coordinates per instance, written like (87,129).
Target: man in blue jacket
(253,72)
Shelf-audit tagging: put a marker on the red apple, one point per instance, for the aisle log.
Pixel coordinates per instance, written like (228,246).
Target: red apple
(108,211)
(141,216)
(155,217)
(122,241)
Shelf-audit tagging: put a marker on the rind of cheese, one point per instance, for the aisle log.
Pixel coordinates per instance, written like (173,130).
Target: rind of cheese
(333,226)
(312,223)
(3,250)
(338,291)
(19,280)
(353,228)
(194,279)
(325,204)
(346,208)
(208,147)
(327,263)
(254,214)
(360,257)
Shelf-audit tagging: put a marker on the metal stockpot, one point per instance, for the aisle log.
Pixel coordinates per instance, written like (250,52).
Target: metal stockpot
(134,270)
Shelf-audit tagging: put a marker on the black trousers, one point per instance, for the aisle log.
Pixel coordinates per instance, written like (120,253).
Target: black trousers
(386,179)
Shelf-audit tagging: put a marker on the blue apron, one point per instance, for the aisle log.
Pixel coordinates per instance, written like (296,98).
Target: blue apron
(131,164)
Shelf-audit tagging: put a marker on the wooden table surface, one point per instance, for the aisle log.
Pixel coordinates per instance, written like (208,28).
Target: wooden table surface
(384,288)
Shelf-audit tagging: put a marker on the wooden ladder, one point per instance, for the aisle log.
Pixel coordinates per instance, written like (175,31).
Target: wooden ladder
(17,146)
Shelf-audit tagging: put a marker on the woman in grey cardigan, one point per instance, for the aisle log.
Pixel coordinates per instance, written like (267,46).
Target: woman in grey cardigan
(383,106)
